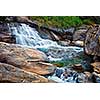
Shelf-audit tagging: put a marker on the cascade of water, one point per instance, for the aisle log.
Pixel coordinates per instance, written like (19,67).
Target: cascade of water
(28,36)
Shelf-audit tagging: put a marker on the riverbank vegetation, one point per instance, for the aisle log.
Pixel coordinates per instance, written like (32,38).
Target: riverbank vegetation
(60,21)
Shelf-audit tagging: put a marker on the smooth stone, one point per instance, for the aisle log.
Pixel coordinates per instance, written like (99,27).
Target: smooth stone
(25,58)
(78,43)
(9,73)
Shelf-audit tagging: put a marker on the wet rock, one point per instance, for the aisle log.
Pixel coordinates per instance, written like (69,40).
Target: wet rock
(54,36)
(96,58)
(96,66)
(58,72)
(92,42)
(80,33)
(25,58)
(72,76)
(81,78)
(64,43)
(68,34)
(9,73)
(69,30)
(90,76)
(87,66)
(63,53)
(78,67)
(45,34)
(78,43)
(96,76)
(5,35)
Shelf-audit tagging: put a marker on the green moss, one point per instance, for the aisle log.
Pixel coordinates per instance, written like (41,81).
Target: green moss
(60,21)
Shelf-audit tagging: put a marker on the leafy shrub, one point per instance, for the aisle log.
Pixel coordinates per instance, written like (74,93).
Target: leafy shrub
(60,21)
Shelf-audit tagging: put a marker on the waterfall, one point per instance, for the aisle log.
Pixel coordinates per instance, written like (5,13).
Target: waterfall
(29,37)
(25,35)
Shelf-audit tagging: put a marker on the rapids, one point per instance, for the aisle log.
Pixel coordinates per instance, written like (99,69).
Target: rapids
(29,37)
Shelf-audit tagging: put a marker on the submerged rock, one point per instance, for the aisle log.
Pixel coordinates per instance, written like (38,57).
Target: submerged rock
(58,72)
(63,53)
(71,76)
(25,58)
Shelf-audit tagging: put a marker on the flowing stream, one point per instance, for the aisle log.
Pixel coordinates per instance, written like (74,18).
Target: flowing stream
(27,36)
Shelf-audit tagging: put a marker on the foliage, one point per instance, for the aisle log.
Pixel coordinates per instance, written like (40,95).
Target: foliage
(60,21)
(2,18)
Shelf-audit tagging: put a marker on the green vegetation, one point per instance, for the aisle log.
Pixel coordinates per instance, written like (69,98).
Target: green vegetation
(60,21)
(2,18)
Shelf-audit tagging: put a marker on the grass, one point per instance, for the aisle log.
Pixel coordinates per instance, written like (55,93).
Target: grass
(60,21)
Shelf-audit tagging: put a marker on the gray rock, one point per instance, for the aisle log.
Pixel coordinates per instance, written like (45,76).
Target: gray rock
(92,42)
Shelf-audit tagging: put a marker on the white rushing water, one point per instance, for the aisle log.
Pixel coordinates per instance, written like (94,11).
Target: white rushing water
(28,36)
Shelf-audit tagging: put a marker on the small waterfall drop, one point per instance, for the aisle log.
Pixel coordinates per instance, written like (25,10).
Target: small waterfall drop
(29,37)
(25,35)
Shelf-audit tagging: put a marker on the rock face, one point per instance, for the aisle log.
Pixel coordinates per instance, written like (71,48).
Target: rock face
(14,19)
(9,73)
(92,42)
(25,58)
(80,33)
(5,35)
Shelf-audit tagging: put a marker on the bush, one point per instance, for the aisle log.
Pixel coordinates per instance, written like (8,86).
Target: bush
(60,21)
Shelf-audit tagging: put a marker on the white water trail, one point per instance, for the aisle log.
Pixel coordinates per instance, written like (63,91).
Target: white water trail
(28,36)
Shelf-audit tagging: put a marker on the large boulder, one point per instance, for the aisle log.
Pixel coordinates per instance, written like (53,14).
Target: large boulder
(25,58)
(9,73)
(92,41)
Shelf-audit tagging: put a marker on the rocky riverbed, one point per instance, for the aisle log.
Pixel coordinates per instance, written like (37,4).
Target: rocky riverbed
(29,53)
